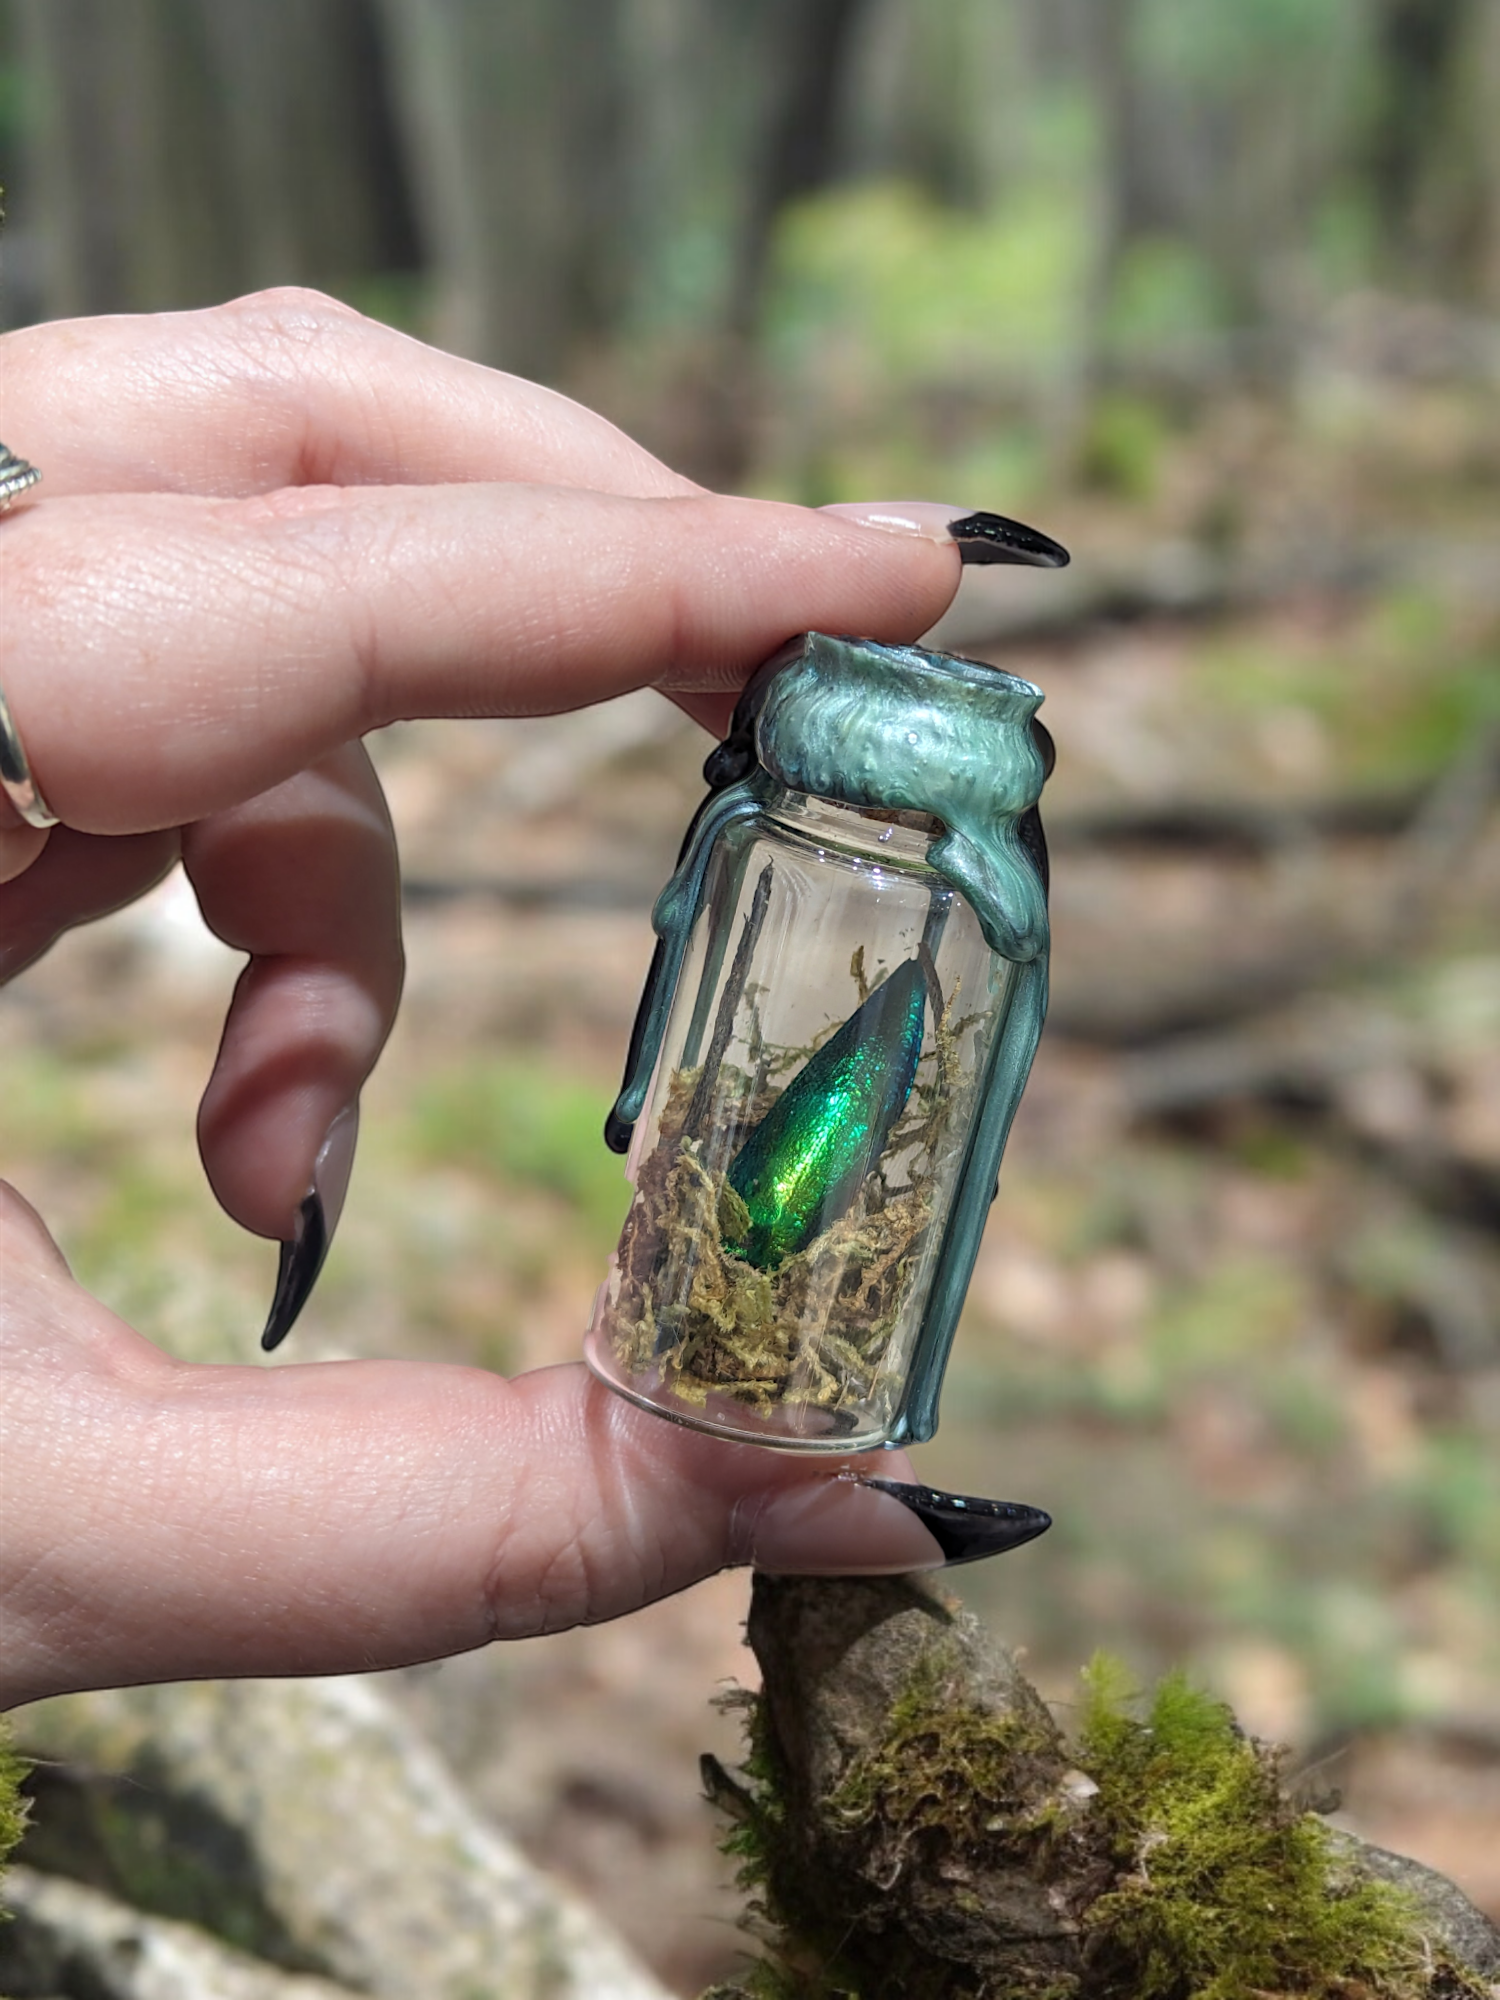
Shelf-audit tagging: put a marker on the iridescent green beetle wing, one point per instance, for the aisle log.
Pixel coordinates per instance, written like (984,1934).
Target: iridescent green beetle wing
(806,1161)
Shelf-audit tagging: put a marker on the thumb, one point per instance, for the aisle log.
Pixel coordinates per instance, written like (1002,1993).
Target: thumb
(334,1518)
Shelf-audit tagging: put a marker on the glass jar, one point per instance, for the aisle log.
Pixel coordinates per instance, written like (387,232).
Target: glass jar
(840,1017)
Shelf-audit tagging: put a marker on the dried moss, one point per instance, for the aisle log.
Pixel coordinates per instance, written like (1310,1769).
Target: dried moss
(814,1332)
(949,1777)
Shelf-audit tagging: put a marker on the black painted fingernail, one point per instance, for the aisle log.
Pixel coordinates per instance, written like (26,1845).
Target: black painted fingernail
(317,1217)
(301,1261)
(994,538)
(966,1528)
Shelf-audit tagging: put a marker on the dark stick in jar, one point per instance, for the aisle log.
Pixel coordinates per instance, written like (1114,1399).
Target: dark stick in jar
(729,1001)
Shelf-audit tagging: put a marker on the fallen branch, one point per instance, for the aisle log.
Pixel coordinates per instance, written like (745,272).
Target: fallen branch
(1149,1001)
(1241,826)
(917,1827)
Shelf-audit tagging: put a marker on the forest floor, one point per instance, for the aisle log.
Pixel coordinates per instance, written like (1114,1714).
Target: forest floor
(1236,1321)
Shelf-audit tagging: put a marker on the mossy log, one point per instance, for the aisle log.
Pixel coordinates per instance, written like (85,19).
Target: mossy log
(913,1824)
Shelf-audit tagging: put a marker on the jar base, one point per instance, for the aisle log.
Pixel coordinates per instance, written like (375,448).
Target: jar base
(723,1417)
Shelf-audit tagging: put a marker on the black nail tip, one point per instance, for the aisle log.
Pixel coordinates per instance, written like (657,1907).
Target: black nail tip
(994,538)
(297,1273)
(965,1527)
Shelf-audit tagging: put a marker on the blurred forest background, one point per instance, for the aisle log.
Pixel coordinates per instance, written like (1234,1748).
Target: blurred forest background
(1213,294)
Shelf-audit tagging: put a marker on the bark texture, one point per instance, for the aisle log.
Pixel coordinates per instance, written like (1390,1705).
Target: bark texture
(304,1825)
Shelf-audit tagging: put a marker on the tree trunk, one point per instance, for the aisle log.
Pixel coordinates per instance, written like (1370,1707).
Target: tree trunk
(181,151)
(129,185)
(1430,149)
(513,119)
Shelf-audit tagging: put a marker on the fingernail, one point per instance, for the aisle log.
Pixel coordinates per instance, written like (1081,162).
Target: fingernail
(965,1527)
(995,538)
(927,518)
(982,538)
(318,1214)
(833,1527)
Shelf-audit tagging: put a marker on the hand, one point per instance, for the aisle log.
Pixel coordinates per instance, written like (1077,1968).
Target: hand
(264,531)
(167,1521)
(270,528)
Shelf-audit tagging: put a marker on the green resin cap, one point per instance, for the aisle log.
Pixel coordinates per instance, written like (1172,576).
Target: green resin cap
(901,729)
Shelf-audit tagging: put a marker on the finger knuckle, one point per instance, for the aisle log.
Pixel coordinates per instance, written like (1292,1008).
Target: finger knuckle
(295,313)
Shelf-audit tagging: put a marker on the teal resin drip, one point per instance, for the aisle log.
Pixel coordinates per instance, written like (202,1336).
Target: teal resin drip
(807,1159)
(890,728)
(672,918)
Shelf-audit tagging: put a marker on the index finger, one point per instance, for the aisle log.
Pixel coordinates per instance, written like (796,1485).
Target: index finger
(168,657)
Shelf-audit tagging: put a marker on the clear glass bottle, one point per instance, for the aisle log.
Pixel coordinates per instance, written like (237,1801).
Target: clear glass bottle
(829,1051)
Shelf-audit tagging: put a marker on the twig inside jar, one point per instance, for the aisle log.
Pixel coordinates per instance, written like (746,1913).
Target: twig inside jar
(729,1001)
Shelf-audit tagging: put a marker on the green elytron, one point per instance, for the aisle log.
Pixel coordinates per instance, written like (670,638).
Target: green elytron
(805,1162)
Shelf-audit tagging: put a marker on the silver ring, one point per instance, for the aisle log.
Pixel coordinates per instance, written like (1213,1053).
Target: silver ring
(16,780)
(15,476)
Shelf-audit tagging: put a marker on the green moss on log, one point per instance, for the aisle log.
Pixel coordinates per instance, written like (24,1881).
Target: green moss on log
(13,1805)
(1223,1887)
(1189,1873)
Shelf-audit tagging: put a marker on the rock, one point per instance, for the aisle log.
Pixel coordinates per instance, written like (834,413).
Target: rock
(1466,1931)
(306,1823)
(66,1942)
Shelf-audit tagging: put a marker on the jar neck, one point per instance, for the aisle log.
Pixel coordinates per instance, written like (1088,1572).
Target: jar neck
(896,837)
